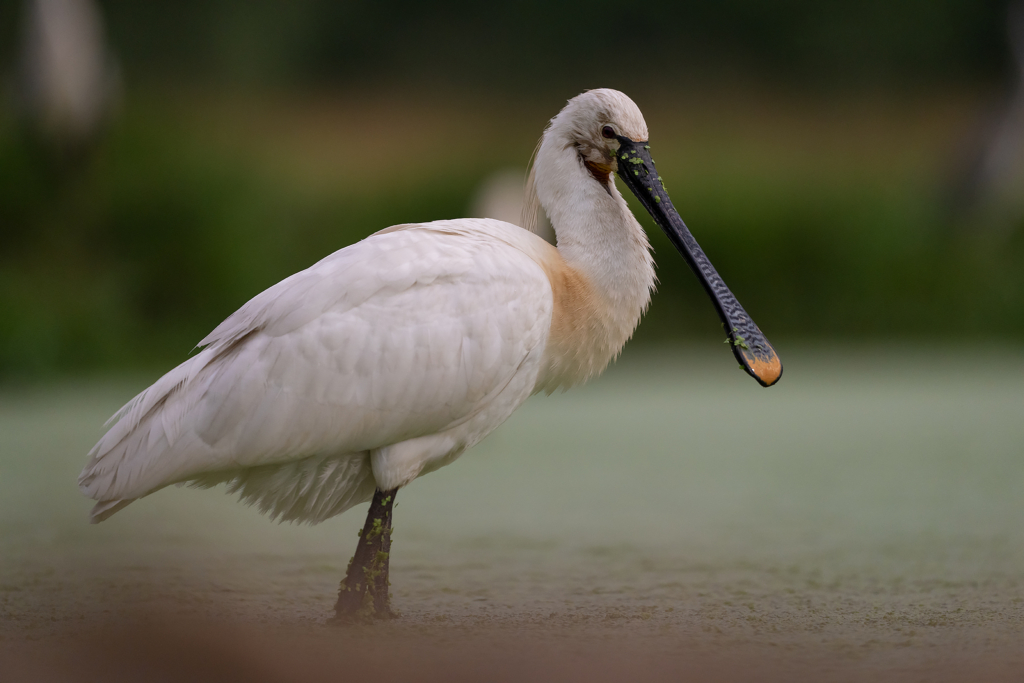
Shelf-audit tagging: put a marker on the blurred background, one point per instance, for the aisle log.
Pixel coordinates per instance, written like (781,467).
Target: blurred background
(854,169)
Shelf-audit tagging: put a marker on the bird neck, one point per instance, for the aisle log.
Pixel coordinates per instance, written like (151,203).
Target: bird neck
(605,249)
(596,232)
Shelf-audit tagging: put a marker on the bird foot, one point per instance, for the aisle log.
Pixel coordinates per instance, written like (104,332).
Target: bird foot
(367,609)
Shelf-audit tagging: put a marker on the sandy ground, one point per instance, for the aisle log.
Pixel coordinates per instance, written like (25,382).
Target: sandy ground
(672,521)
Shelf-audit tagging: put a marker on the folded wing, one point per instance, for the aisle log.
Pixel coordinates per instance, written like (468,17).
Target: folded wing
(404,334)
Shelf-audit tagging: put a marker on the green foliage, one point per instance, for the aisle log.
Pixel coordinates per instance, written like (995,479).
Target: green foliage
(128,259)
(859,262)
(473,43)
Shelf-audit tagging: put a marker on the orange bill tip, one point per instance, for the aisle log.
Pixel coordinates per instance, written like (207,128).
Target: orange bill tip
(766,371)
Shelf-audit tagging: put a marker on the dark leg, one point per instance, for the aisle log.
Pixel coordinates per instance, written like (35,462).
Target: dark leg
(364,591)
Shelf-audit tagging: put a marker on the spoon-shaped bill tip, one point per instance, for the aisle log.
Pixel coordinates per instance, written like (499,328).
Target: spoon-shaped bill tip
(765,367)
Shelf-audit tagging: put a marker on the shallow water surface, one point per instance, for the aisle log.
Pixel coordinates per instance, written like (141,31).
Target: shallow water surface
(863,517)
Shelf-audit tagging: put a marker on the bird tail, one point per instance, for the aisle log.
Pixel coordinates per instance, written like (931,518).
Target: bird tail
(125,463)
(105,508)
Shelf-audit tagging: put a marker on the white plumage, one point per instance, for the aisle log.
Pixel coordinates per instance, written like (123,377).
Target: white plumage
(389,358)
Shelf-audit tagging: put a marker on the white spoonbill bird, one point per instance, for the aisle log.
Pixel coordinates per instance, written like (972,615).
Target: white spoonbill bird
(389,358)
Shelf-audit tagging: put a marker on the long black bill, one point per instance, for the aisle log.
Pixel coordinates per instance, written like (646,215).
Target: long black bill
(752,350)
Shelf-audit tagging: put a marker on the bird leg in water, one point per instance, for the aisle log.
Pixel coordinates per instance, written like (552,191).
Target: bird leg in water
(364,590)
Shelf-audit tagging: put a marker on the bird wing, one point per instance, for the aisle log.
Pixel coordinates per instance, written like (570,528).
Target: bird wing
(404,334)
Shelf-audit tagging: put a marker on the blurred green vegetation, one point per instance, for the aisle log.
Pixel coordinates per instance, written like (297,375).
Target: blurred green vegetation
(808,145)
(824,216)
(830,43)
(127,258)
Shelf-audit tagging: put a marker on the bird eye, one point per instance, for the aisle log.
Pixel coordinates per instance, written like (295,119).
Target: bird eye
(608,132)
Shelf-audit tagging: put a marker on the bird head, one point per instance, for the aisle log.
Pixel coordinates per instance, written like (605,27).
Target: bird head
(609,135)
(593,122)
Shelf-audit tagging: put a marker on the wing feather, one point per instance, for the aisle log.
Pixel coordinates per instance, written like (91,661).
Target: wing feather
(401,335)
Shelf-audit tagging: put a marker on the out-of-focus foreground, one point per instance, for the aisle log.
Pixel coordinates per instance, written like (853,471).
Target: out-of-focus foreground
(862,523)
